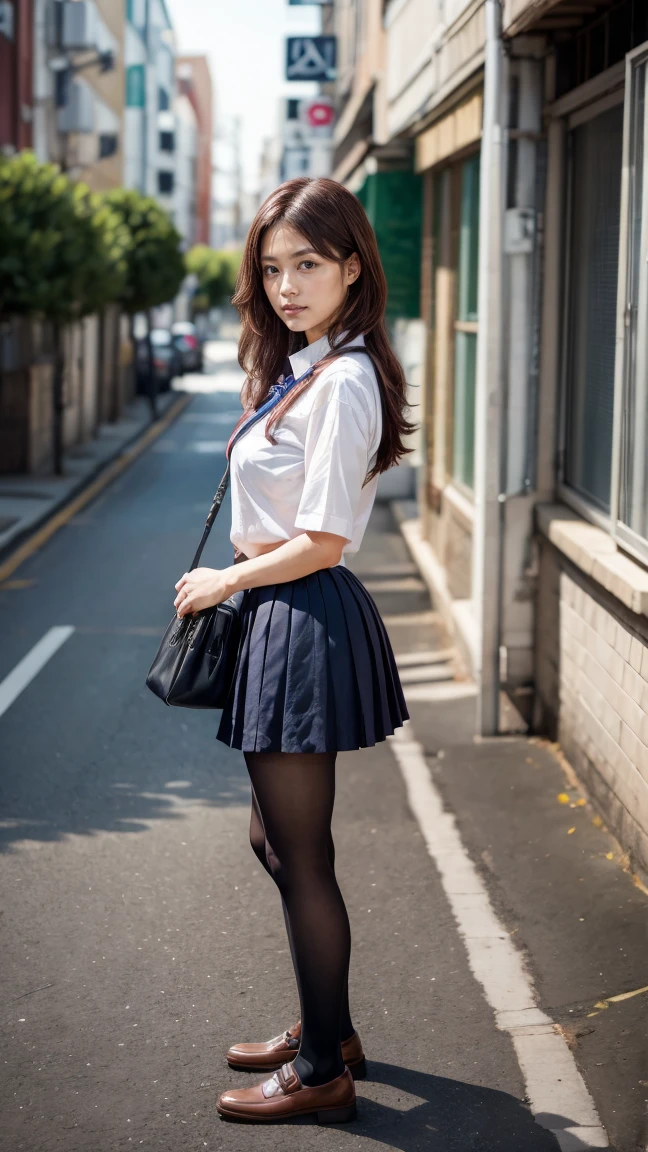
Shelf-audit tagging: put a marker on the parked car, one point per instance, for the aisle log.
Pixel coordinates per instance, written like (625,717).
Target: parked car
(166,360)
(189,344)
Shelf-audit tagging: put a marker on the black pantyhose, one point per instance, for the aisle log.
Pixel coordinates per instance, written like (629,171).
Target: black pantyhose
(290,832)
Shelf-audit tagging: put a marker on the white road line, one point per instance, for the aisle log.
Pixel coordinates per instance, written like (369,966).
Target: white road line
(557,1092)
(31,664)
(212,417)
(207,445)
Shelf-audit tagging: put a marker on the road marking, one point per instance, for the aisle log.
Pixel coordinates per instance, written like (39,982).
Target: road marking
(557,1093)
(31,664)
(207,445)
(213,417)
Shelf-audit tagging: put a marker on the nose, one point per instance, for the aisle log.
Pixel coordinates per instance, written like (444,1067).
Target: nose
(287,288)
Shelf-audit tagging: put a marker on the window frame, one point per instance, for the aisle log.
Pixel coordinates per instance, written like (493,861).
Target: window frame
(604,92)
(607,90)
(468,327)
(625,536)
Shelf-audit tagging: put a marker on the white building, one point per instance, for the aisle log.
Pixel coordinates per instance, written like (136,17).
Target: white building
(160,123)
(186,151)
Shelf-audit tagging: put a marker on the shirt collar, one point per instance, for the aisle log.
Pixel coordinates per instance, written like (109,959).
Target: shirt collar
(302,360)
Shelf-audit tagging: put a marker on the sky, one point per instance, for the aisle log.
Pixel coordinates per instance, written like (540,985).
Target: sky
(244,41)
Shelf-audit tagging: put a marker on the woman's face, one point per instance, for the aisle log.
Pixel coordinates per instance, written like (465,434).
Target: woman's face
(303,287)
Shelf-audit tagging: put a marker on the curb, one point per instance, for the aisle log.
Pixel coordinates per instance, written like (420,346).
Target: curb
(36,534)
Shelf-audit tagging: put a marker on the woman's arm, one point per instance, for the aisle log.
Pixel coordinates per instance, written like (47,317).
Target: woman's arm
(300,556)
(306,553)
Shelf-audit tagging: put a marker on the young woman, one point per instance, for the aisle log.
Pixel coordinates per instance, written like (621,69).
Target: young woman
(315,671)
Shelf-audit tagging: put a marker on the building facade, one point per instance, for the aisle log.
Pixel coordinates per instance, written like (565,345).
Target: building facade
(590,528)
(16,81)
(525,124)
(378,166)
(78,117)
(194,81)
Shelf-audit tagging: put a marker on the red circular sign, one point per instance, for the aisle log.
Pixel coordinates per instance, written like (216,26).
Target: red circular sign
(319,114)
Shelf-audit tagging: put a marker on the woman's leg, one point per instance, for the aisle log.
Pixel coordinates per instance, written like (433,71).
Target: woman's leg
(263,851)
(295,795)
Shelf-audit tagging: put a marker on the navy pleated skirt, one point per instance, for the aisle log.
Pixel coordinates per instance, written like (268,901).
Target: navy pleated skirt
(315,670)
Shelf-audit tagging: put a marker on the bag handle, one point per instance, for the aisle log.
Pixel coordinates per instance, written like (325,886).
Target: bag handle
(262,411)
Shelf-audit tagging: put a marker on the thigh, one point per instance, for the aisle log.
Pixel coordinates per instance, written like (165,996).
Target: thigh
(295,793)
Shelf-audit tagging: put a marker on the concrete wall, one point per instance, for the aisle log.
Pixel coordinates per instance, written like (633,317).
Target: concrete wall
(431,52)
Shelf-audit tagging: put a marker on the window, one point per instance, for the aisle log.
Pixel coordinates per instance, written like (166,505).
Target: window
(602,41)
(466,327)
(605,339)
(108,144)
(136,13)
(135,86)
(163,100)
(167,142)
(165,182)
(592,274)
(632,420)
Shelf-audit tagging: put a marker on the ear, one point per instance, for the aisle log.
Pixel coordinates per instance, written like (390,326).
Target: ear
(353,268)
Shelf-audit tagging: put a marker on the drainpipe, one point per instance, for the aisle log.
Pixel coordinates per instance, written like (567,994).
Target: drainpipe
(488,508)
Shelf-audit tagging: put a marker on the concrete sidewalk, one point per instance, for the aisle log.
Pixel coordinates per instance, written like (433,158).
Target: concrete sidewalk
(29,501)
(556,877)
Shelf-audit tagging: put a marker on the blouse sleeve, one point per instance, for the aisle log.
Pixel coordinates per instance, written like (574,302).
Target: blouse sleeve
(335,464)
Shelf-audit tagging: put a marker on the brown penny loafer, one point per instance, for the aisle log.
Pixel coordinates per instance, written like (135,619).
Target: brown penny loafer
(273,1053)
(284,1096)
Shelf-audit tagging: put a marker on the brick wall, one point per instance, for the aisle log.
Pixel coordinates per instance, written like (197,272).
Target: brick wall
(592,693)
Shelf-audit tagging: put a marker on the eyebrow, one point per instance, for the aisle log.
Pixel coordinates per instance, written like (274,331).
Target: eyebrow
(299,252)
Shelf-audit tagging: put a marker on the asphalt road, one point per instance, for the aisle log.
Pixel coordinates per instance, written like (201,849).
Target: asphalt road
(140,936)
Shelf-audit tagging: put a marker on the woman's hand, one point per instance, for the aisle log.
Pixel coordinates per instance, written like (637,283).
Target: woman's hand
(201,588)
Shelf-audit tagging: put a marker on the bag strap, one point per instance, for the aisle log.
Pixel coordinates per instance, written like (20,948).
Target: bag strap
(258,415)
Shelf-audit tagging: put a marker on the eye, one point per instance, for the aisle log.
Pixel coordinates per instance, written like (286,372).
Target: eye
(310,262)
(269,268)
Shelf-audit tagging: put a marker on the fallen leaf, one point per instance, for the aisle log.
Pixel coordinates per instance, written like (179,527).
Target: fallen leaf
(562,798)
(570,831)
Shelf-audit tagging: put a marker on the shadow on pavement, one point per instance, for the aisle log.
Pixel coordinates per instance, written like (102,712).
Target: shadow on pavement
(418,1112)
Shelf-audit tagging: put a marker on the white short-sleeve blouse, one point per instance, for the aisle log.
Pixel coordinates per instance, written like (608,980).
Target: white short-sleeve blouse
(312,478)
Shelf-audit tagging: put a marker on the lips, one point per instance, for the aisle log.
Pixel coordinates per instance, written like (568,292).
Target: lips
(292,309)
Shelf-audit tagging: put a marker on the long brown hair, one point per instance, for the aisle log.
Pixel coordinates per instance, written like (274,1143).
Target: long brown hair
(335,224)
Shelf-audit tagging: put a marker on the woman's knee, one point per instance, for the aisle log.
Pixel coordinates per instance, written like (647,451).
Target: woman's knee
(258,844)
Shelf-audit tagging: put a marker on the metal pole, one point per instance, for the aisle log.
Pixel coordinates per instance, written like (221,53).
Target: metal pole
(487,531)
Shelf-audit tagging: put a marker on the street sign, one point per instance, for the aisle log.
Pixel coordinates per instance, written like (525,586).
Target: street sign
(311,58)
(318,114)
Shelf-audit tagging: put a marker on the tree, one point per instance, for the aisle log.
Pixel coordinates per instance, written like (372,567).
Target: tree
(216,273)
(154,262)
(62,256)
